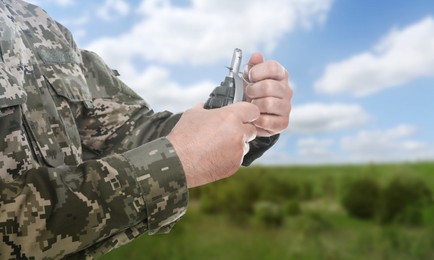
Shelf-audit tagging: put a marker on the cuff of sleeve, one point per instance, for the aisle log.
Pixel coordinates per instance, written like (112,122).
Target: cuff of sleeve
(163,183)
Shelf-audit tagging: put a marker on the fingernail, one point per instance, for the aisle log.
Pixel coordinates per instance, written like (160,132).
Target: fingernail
(246,69)
(284,70)
(250,76)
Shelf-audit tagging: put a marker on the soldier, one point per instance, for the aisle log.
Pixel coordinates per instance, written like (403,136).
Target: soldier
(86,165)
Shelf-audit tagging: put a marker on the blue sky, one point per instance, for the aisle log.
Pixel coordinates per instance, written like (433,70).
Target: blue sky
(362,71)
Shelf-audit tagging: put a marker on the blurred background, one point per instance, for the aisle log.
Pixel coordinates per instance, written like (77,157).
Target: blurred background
(362,71)
(351,178)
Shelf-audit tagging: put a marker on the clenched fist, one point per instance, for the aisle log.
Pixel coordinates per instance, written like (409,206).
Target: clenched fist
(211,143)
(268,88)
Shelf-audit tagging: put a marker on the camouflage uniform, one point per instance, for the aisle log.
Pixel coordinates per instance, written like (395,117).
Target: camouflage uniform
(84,163)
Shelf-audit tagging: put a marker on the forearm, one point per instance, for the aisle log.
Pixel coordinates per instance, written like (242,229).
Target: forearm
(55,211)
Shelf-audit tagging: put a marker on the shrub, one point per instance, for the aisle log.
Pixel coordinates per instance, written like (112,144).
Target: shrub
(314,223)
(306,190)
(276,190)
(361,198)
(410,215)
(234,196)
(328,185)
(403,200)
(292,207)
(269,213)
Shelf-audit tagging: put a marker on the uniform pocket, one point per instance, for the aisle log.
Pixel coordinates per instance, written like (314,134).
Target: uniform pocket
(61,68)
(16,154)
(66,89)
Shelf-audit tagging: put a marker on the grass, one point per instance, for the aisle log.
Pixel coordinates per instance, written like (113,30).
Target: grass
(323,229)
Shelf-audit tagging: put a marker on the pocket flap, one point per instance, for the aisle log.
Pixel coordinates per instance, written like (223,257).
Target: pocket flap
(67,80)
(11,91)
(61,68)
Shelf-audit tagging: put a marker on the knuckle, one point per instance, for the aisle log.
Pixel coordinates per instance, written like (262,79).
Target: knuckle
(290,92)
(256,112)
(268,104)
(264,104)
(275,68)
(282,124)
(268,87)
(267,123)
(274,125)
(285,122)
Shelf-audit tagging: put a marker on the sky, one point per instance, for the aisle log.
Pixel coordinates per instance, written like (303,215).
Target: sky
(362,72)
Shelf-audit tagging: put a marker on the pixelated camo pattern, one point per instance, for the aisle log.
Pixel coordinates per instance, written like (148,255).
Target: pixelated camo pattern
(84,165)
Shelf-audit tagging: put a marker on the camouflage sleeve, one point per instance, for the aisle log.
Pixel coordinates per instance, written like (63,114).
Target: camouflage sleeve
(51,212)
(165,197)
(118,119)
(91,207)
(54,200)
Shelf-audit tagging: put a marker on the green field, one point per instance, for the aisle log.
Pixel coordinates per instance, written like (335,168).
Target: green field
(298,213)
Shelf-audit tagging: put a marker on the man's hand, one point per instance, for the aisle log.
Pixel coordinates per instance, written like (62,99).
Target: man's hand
(268,88)
(211,144)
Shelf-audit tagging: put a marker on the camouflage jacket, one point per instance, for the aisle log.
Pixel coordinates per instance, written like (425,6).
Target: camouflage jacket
(84,163)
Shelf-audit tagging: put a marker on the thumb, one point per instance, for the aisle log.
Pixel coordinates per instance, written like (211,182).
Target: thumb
(255,58)
(246,112)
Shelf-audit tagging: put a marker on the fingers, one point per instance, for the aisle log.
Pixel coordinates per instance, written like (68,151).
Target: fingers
(245,111)
(256,58)
(244,114)
(273,106)
(274,115)
(269,88)
(258,69)
(267,70)
(271,123)
(250,132)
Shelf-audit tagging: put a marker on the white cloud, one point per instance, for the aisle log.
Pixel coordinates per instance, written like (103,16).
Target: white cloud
(113,8)
(206,31)
(315,148)
(56,2)
(164,94)
(310,150)
(390,145)
(319,117)
(401,56)
(387,145)
(201,33)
